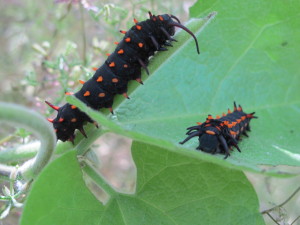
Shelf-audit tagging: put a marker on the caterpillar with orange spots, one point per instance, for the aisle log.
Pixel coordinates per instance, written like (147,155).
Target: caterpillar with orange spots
(220,134)
(131,54)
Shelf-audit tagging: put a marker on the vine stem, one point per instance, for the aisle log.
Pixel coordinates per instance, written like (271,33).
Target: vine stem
(98,179)
(282,204)
(20,116)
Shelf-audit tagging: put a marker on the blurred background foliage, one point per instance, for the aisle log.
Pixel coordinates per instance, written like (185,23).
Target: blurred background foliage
(48,45)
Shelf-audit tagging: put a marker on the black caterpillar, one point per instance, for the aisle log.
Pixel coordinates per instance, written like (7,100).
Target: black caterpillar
(220,134)
(123,65)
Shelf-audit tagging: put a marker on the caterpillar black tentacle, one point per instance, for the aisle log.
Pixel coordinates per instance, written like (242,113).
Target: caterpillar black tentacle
(131,54)
(220,134)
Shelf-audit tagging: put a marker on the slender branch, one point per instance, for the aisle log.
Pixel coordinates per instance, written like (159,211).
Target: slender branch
(22,117)
(83,35)
(272,218)
(295,220)
(283,203)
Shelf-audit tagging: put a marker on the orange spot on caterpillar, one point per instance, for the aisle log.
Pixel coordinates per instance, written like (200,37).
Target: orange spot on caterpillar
(73,107)
(125,66)
(223,114)
(100,79)
(218,117)
(61,120)
(115,80)
(233,133)
(87,93)
(138,27)
(243,117)
(161,18)
(121,51)
(116,42)
(199,123)
(210,132)
(101,95)
(127,39)
(239,120)
(135,21)
(229,111)
(232,124)
(112,64)
(226,123)
(210,117)
(141,45)
(81,81)
(73,120)
(108,54)
(239,108)
(94,68)
(123,31)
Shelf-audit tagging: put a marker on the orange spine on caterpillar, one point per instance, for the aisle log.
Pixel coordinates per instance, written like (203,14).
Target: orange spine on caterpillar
(131,54)
(220,134)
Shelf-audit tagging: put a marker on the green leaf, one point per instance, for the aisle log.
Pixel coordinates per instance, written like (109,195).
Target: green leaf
(171,189)
(59,196)
(255,47)
(244,58)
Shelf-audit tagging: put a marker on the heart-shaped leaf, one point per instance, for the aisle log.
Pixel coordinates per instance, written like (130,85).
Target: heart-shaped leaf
(171,189)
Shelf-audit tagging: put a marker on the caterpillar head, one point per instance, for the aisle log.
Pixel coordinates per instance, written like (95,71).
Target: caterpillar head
(68,119)
(208,143)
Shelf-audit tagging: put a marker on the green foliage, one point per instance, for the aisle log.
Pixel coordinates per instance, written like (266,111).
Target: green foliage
(171,189)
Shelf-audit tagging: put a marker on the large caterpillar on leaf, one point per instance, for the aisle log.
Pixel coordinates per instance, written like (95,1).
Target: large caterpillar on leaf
(220,134)
(131,54)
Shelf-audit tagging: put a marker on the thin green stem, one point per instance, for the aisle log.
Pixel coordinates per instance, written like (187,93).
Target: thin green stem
(18,153)
(98,179)
(34,122)
(83,147)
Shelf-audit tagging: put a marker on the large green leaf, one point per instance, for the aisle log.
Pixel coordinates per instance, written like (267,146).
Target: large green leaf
(171,189)
(245,58)
(249,54)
